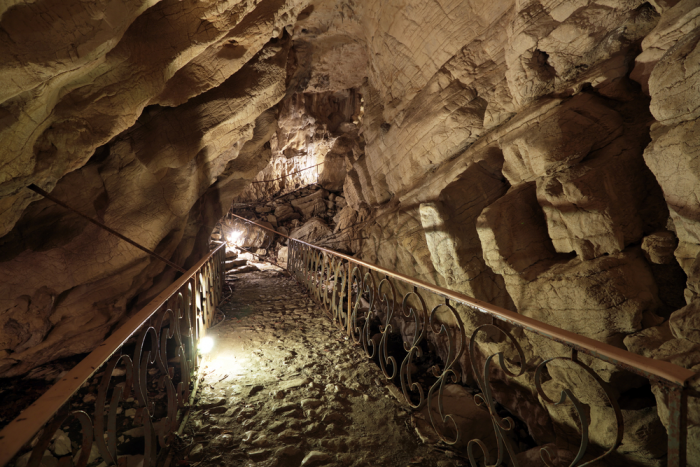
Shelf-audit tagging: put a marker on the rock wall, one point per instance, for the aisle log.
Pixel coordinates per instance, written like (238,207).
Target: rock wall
(536,155)
(539,155)
(315,134)
(99,109)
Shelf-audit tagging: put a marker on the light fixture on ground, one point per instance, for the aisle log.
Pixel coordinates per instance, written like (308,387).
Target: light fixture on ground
(205,345)
(234,237)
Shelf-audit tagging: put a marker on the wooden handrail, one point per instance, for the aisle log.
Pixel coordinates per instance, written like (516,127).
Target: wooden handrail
(21,430)
(647,367)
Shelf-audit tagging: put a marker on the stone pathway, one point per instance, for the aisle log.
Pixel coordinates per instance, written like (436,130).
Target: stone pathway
(284,387)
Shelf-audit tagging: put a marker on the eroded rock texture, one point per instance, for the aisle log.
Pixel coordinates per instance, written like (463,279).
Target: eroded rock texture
(538,155)
(164,179)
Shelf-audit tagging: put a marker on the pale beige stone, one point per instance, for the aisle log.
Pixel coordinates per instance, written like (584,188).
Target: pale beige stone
(557,136)
(659,246)
(97,91)
(593,212)
(685,323)
(678,19)
(345,219)
(283,256)
(223,58)
(672,157)
(315,134)
(601,298)
(646,342)
(674,85)
(312,231)
(488,147)
(553,46)
(517,211)
(142,189)
(286,212)
(312,205)
(450,226)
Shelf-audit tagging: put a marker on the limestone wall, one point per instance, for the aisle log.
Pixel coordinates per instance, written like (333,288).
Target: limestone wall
(540,155)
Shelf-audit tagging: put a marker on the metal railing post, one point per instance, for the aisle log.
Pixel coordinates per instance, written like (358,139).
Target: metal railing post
(382,297)
(147,323)
(348,324)
(677,426)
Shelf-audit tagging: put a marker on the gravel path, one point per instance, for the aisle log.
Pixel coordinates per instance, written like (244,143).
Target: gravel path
(284,387)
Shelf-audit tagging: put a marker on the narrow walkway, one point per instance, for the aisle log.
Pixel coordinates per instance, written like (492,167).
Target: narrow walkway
(284,387)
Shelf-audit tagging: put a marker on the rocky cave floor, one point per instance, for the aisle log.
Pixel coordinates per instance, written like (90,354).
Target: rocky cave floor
(284,387)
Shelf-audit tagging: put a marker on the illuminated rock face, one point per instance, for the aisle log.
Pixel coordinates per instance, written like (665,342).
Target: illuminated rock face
(540,155)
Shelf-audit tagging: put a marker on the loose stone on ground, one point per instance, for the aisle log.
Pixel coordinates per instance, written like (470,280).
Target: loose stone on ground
(281,367)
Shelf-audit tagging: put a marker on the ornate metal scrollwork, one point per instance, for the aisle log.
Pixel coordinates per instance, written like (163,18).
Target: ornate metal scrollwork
(453,354)
(360,287)
(304,267)
(320,279)
(307,267)
(311,272)
(185,341)
(419,319)
(302,264)
(370,289)
(485,400)
(52,428)
(178,324)
(315,278)
(578,406)
(338,295)
(180,320)
(355,292)
(388,304)
(292,258)
(173,396)
(326,283)
(108,449)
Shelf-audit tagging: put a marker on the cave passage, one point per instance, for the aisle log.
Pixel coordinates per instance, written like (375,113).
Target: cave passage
(284,387)
(523,173)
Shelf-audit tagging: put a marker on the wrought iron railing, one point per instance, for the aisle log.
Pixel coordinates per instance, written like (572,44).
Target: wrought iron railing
(361,296)
(132,361)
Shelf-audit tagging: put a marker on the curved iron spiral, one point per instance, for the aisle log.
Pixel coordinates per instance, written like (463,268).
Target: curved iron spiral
(407,384)
(453,355)
(578,406)
(384,358)
(485,400)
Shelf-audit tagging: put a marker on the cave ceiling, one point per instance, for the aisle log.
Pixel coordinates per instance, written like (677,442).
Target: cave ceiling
(539,155)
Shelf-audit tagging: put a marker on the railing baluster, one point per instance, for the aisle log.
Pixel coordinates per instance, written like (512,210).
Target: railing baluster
(315,275)
(333,279)
(453,354)
(388,304)
(677,426)
(420,321)
(349,292)
(188,307)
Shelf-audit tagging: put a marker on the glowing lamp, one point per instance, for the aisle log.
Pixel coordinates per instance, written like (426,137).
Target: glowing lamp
(234,237)
(205,345)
